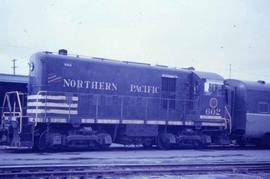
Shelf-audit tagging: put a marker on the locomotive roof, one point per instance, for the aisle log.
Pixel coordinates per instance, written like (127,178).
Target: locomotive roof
(209,76)
(200,74)
(109,61)
(251,85)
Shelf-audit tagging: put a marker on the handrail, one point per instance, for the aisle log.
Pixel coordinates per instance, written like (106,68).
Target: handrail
(230,119)
(20,107)
(36,116)
(12,109)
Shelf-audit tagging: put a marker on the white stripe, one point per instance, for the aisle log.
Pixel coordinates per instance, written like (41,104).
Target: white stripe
(212,124)
(115,121)
(189,123)
(210,117)
(12,118)
(176,123)
(108,121)
(53,120)
(54,79)
(87,120)
(51,77)
(258,114)
(37,120)
(40,120)
(52,111)
(30,119)
(156,122)
(74,98)
(49,104)
(132,121)
(257,124)
(58,120)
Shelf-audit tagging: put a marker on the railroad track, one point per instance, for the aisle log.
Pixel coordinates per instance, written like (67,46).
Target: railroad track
(84,171)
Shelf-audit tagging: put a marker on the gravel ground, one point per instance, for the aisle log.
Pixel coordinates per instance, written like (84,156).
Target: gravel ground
(135,157)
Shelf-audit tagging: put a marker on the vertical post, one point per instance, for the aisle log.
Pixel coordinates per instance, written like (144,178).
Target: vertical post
(230,71)
(14,66)
(20,109)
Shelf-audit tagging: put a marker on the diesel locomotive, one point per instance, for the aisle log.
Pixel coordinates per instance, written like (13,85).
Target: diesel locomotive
(90,103)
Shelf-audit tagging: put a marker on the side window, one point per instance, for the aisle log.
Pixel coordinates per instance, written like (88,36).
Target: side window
(213,87)
(263,107)
(206,87)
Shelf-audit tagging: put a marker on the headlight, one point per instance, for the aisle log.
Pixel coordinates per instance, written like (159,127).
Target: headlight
(31,66)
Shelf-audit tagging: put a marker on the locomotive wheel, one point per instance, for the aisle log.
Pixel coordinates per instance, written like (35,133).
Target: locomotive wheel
(41,144)
(147,143)
(190,143)
(242,142)
(104,147)
(160,144)
(197,144)
(104,140)
(164,141)
(266,141)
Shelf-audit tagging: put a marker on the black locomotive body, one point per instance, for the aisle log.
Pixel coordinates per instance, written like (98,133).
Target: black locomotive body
(76,102)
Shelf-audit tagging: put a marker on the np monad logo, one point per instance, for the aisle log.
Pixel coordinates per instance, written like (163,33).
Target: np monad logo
(213,109)
(213,102)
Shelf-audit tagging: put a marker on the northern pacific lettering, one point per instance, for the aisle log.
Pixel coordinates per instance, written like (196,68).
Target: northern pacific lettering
(108,86)
(144,89)
(95,85)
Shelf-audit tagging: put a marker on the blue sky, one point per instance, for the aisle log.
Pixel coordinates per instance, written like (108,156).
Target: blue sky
(208,35)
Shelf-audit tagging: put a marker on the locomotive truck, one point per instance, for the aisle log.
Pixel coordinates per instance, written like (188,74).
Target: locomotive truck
(77,102)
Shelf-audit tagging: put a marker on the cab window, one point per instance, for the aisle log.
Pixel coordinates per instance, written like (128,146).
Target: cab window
(213,87)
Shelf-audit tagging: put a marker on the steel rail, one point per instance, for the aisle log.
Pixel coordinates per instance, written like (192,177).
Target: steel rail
(119,170)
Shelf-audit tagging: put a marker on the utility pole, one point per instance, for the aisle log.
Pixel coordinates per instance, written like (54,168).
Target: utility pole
(230,71)
(14,66)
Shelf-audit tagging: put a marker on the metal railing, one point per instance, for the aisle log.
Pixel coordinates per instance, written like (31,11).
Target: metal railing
(12,108)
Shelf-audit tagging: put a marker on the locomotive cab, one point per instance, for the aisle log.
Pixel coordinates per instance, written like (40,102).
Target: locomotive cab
(211,97)
(210,93)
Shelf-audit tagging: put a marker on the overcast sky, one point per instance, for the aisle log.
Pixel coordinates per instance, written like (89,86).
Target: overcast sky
(208,35)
